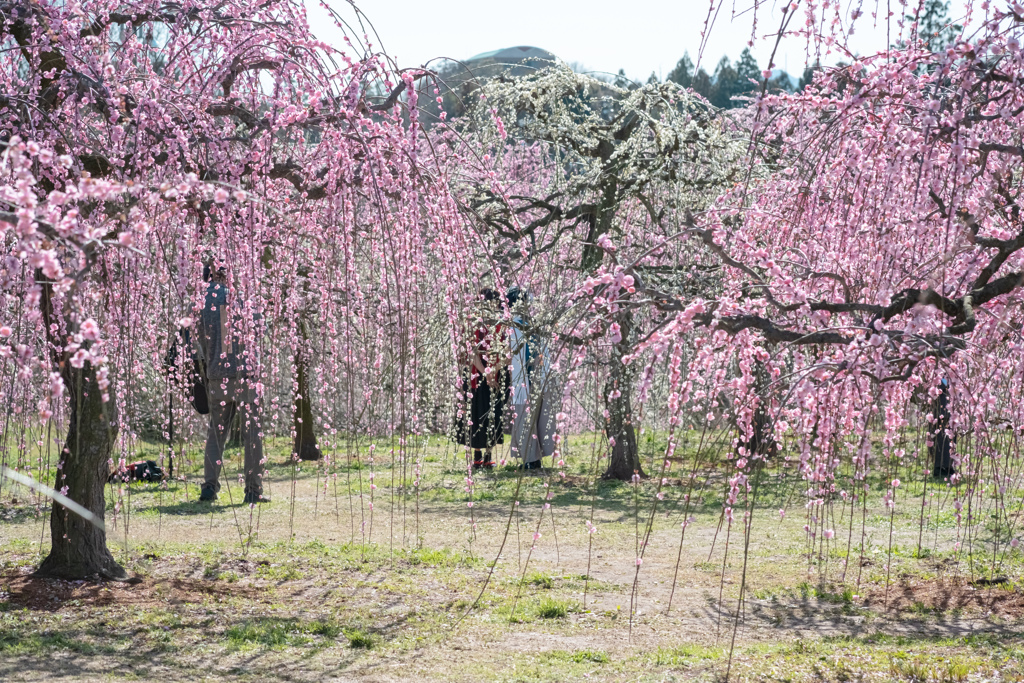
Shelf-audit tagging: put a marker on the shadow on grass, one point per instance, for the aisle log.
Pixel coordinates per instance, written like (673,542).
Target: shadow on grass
(54,630)
(163,647)
(834,615)
(15,512)
(193,507)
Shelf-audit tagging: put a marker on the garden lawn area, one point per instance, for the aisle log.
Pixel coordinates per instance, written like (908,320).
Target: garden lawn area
(315,587)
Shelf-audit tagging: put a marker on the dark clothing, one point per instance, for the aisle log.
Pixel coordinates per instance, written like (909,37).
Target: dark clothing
(183,354)
(942,440)
(228,398)
(486,410)
(231,390)
(225,355)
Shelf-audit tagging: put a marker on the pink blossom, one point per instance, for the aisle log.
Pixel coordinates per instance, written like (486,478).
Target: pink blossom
(90,330)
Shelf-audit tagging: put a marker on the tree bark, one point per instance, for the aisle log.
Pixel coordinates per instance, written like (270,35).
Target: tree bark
(78,549)
(302,416)
(761,442)
(625,456)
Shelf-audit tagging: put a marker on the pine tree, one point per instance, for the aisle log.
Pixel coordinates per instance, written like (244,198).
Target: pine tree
(683,72)
(933,25)
(781,81)
(747,70)
(622,81)
(725,85)
(701,83)
(808,76)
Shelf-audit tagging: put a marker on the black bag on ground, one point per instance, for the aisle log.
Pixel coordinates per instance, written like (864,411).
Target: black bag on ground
(143,470)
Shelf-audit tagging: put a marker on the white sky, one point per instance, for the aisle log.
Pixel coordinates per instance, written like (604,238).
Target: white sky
(639,36)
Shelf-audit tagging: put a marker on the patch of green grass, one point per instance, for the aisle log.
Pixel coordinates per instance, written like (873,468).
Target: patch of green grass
(684,654)
(266,632)
(552,608)
(528,610)
(279,572)
(578,656)
(162,619)
(826,593)
(276,632)
(14,642)
(358,638)
(440,557)
(539,580)
(924,669)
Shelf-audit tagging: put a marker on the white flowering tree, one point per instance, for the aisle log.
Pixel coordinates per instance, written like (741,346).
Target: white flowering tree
(573,176)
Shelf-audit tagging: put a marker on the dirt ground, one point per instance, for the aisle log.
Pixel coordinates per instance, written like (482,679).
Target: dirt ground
(310,588)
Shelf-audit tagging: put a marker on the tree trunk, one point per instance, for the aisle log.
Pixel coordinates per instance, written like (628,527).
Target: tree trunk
(625,456)
(761,442)
(600,224)
(78,549)
(302,416)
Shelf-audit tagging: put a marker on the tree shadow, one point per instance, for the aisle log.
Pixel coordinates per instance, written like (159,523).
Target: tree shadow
(15,512)
(952,613)
(193,507)
(161,645)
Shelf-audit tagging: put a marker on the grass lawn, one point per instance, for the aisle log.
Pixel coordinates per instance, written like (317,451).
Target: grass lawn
(318,585)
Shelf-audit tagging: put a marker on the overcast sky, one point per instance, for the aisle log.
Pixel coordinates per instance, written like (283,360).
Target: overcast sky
(639,36)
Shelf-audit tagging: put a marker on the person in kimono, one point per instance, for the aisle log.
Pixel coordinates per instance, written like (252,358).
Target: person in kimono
(533,396)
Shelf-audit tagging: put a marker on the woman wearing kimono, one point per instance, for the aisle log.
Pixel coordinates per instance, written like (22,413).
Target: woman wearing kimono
(534,399)
(484,388)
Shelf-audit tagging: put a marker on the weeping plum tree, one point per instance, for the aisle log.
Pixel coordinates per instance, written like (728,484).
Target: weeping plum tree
(140,141)
(567,166)
(879,251)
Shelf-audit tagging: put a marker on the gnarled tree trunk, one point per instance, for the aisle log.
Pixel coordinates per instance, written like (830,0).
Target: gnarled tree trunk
(302,416)
(761,442)
(78,549)
(625,456)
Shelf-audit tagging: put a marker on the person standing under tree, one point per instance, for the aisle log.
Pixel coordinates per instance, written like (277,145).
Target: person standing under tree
(486,385)
(534,404)
(231,389)
(942,441)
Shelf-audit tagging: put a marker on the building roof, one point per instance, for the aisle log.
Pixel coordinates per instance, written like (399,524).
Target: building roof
(514,54)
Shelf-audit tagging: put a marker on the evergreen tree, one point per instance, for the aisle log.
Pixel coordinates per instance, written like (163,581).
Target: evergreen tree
(701,83)
(622,81)
(781,81)
(747,70)
(808,76)
(933,25)
(726,84)
(683,72)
